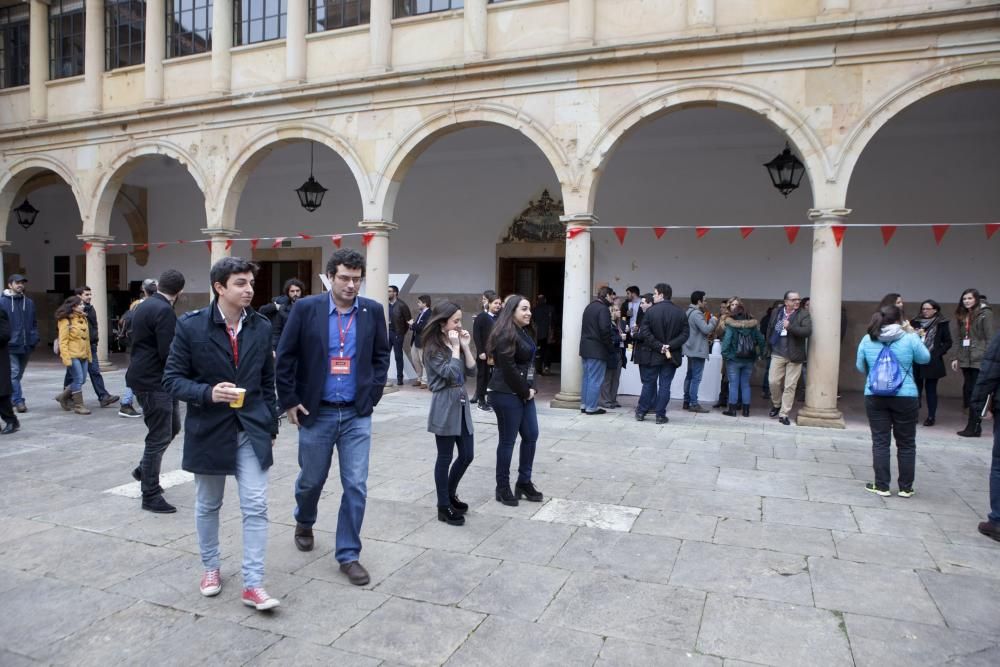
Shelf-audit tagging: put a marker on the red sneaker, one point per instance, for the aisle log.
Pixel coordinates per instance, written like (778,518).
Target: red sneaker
(211,583)
(258,598)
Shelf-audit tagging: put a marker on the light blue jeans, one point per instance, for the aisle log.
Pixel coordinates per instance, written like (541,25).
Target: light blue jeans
(18,362)
(593,376)
(252,482)
(78,374)
(127,396)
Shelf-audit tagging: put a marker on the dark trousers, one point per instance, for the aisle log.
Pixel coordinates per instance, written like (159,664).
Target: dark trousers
(894,416)
(927,389)
(542,358)
(994,515)
(396,342)
(655,393)
(446,480)
(7,410)
(514,417)
(969,377)
(162,415)
(483,372)
(94,370)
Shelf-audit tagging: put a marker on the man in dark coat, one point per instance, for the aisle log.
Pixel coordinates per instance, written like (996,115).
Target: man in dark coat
(153,326)
(104,397)
(222,366)
(23,333)
(481,328)
(293,290)
(333,359)
(661,336)
(399,324)
(596,348)
(542,317)
(11,424)
(987,386)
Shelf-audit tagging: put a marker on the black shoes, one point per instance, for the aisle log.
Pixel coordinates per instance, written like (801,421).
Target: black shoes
(773,412)
(785,421)
(685,405)
(662,420)
(158,505)
(505,496)
(528,491)
(990,529)
(598,411)
(929,421)
(640,416)
(137,474)
(973,429)
(746,410)
(450,515)
(356,573)
(730,410)
(458,505)
(484,406)
(303,537)
(13,426)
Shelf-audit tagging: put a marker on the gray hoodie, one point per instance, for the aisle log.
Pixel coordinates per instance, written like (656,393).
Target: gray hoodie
(697,343)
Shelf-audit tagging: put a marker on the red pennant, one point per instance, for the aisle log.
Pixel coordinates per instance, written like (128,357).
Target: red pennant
(700,231)
(229,244)
(939,232)
(366,238)
(304,236)
(838,233)
(253,243)
(144,246)
(792,233)
(659,231)
(160,246)
(887,232)
(620,232)
(746,231)
(87,247)
(208,244)
(337,239)
(573,232)
(179,241)
(278,241)
(991,229)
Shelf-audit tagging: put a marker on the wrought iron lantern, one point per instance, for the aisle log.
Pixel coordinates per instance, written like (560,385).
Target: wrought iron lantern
(786,171)
(26,214)
(311,192)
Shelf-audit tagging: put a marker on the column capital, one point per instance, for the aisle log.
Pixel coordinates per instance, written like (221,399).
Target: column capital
(95,239)
(4,243)
(383,226)
(826,213)
(222,232)
(579,220)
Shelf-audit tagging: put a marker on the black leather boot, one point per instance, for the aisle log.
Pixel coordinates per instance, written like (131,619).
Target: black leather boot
(458,505)
(730,411)
(11,427)
(450,516)
(973,429)
(746,409)
(505,496)
(528,491)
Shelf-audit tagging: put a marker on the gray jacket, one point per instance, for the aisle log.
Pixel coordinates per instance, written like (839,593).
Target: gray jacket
(697,343)
(446,380)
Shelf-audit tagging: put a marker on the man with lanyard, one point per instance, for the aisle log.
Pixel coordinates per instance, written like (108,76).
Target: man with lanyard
(332,362)
(788,329)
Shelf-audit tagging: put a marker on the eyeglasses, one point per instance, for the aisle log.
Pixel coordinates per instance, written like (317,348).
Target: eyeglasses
(349,279)
(793,300)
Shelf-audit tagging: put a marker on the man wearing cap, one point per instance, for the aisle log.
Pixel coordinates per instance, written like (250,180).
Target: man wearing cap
(23,333)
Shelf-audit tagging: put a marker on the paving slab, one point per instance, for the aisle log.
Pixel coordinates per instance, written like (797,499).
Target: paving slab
(629,555)
(624,653)
(809,513)
(761,483)
(381,559)
(499,642)
(982,561)
(465,538)
(681,525)
(291,651)
(899,552)
(775,537)
(898,524)
(518,590)
(872,590)
(879,641)
(709,502)
(526,541)
(583,513)
(201,645)
(441,577)
(966,602)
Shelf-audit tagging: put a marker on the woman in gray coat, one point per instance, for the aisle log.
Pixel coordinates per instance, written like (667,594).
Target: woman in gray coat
(447,361)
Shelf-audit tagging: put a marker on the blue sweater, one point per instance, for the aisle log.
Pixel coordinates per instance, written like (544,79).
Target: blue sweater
(908,350)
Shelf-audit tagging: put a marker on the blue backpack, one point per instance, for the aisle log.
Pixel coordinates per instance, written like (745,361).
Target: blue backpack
(886,376)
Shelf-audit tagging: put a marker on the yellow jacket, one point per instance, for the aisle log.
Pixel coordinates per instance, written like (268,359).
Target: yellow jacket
(74,338)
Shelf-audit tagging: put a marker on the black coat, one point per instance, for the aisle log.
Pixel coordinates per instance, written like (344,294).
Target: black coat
(304,362)
(153,324)
(420,321)
(663,324)
(481,328)
(279,320)
(988,381)
(595,332)
(399,319)
(201,356)
(91,314)
(514,366)
(935,369)
(6,388)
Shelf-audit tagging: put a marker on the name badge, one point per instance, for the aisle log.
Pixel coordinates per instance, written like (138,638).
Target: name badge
(966,342)
(784,332)
(340,365)
(531,375)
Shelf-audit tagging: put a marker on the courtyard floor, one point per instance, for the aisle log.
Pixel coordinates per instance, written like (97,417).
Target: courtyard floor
(707,541)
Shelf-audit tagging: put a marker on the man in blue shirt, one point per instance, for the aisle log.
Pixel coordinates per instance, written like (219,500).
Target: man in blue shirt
(332,362)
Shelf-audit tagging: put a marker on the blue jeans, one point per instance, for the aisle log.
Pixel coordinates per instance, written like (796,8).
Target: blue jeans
(692,380)
(251,480)
(514,417)
(352,435)
(18,362)
(653,396)
(94,370)
(128,396)
(77,373)
(593,376)
(994,515)
(739,371)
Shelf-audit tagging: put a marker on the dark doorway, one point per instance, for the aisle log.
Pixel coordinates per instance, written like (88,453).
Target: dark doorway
(272,276)
(530,277)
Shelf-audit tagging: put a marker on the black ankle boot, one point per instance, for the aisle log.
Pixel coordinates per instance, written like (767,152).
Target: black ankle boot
(11,427)
(528,491)
(746,409)
(505,496)
(458,505)
(730,411)
(973,429)
(450,516)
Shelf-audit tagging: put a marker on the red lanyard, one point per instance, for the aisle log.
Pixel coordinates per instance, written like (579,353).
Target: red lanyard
(343,331)
(235,343)
(968,326)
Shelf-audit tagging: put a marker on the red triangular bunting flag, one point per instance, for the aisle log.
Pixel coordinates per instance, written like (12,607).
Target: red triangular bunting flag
(87,247)
(367,237)
(791,232)
(573,232)
(161,245)
(838,233)
(620,232)
(253,243)
(229,244)
(337,239)
(304,236)
(746,231)
(179,241)
(700,231)
(144,246)
(939,232)
(278,241)
(887,232)
(208,244)
(659,231)
(991,229)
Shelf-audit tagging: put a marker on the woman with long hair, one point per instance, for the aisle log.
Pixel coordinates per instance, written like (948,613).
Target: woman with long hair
(892,410)
(447,361)
(512,394)
(974,321)
(896,299)
(742,345)
(74,349)
(932,328)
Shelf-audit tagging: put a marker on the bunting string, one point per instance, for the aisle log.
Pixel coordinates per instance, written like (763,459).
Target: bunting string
(275,241)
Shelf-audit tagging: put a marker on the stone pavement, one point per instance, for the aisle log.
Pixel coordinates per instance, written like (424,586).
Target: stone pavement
(708,541)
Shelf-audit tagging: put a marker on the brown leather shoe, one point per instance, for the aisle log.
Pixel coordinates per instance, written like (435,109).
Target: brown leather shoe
(303,537)
(356,572)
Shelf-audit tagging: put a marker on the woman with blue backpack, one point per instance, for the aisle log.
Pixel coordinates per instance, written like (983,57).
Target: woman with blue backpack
(742,345)
(886,354)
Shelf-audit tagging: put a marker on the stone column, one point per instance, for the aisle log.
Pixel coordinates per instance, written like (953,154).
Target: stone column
(581,22)
(38,60)
(577,293)
(217,237)
(701,13)
(156,46)
(295,41)
(834,6)
(475,30)
(97,280)
(377,259)
(222,42)
(3,269)
(824,309)
(380,35)
(93,57)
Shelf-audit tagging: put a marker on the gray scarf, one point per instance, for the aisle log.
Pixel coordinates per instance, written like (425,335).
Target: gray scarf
(930,329)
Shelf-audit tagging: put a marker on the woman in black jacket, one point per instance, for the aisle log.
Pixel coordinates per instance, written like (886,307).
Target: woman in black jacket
(11,424)
(933,330)
(512,395)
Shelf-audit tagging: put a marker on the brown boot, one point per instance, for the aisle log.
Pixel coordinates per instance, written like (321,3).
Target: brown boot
(78,406)
(65,399)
